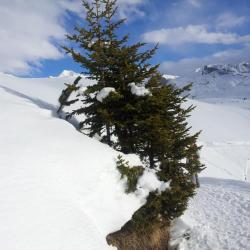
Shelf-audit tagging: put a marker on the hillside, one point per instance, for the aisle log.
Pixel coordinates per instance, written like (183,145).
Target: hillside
(61,190)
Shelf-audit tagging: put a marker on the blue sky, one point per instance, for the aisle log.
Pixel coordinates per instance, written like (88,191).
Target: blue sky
(190,33)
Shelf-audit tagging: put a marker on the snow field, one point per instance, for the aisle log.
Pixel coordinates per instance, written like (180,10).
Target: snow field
(60,189)
(219,216)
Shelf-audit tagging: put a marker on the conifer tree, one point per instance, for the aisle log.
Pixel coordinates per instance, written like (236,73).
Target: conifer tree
(152,125)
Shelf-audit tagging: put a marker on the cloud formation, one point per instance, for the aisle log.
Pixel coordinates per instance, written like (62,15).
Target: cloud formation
(195,3)
(31,30)
(229,20)
(192,34)
(28,29)
(130,8)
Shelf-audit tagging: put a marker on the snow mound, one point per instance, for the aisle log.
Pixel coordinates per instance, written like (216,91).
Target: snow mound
(170,77)
(104,93)
(68,73)
(139,90)
(149,182)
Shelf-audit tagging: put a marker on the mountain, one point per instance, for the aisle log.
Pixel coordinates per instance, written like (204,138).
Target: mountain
(224,69)
(217,81)
(68,73)
(61,190)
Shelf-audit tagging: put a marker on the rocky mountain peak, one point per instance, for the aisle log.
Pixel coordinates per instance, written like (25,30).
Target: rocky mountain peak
(223,69)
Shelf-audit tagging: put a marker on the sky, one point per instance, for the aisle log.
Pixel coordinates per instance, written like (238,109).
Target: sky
(190,33)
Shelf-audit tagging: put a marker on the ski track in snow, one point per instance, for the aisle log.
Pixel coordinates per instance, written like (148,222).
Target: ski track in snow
(220,215)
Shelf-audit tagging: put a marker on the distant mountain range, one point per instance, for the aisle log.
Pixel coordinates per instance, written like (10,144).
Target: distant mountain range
(217,81)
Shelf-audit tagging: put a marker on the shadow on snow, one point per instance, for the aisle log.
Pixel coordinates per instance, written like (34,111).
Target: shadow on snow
(42,104)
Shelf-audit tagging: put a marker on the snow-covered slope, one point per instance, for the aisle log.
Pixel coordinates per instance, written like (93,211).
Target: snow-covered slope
(219,215)
(60,189)
(225,138)
(218,218)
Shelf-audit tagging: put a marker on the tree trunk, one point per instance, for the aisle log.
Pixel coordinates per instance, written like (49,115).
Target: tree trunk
(151,157)
(125,141)
(197,180)
(108,135)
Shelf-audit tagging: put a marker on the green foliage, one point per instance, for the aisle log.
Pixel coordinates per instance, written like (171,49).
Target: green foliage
(153,126)
(132,174)
(70,88)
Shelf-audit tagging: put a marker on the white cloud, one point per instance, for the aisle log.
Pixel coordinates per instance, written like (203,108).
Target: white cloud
(188,65)
(27,29)
(195,3)
(229,20)
(129,8)
(192,34)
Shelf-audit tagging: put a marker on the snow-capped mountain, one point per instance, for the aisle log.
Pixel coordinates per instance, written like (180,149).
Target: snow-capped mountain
(68,73)
(217,81)
(223,69)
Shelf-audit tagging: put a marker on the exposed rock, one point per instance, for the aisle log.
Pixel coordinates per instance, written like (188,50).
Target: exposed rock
(223,69)
(127,238)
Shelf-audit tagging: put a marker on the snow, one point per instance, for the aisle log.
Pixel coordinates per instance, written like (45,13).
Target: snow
(149,182)
(139,90)
(61,189)
(68,73)
(219,81)
(170,77)
(197,70)
(219,216)
(225,137)
(103,93)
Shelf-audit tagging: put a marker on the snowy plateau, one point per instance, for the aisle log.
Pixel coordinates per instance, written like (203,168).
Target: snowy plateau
(60,190)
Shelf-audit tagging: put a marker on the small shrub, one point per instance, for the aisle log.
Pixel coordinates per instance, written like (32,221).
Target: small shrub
(132,173)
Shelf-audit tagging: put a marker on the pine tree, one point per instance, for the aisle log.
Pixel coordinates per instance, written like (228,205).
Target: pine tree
(152,125)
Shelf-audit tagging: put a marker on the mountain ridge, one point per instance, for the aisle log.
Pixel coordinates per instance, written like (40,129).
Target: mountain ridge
(217,81)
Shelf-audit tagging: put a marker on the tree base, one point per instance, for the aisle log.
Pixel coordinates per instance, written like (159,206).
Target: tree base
(155,237)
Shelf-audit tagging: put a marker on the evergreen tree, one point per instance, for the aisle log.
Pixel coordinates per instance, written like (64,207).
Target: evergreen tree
(152,125)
